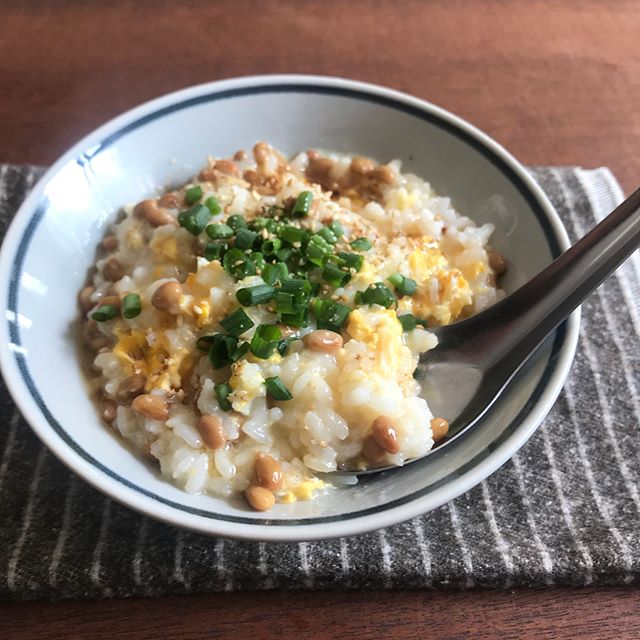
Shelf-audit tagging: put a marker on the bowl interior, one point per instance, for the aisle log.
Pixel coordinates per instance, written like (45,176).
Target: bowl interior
(53,244)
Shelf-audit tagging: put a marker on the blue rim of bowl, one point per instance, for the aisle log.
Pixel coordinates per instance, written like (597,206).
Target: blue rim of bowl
(358,94)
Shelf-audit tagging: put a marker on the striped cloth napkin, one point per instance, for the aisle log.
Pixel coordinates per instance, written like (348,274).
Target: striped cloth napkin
(564,510)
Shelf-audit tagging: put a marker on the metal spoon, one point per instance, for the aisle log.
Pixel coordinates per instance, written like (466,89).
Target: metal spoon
(476,358)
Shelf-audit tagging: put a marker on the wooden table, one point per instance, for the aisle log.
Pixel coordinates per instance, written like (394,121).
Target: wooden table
(556,81)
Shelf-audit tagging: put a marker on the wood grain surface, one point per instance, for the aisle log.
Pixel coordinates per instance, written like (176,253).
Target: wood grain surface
(565,614)
(556,82)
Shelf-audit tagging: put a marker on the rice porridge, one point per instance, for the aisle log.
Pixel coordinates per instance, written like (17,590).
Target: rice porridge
(258,329)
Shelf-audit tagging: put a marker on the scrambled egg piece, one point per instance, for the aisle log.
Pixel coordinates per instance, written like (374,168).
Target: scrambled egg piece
(302,491)
(246,383)
(443,291)
(382,333)
(153,360)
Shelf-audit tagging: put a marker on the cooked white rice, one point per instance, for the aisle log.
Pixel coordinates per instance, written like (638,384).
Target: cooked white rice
(336,396)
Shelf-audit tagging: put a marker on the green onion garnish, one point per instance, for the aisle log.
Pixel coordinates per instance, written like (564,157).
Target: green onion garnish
(357,298)
(214,250)
(292,234)
(275,273)
(236,222)
(265,340)
(194,220)
(193,194)
(378,293)
(212,204)
(239,352)
(105,312)
(299,287)
(297,319)
(276,389)
(408,322)
(361,244)
(237,323)
(403,285)
(245,238)
(131,306)
(337,229)
(326,234)
(203,343)
(302,204)
(351,260)
(258,260)
(335,276)
(285,302)
(269,247)
(219,231)
(259,223)
(330,315)
(221,349)
(317,249)
(283,345)
(283,255)
(238,264)
(222,392)
(258,294)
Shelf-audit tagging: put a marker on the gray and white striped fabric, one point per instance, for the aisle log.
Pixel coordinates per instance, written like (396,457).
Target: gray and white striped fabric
(565,510)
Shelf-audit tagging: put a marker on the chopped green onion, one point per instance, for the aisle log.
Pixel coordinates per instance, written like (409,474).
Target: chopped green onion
(258,260)
(298,319)
(408,322)
(283,345)
(222,392)
(317,249)
(378,293)
(238,264)
(357,298)
(203,343)
(258,294)
(245,238)
(221,348)
(299,287)
(239,352)
(105,312)
(212,204)
(193,194)
(403,285)
(335,276)
(326,234)
(292,234)
(194,220)
(352,260)
(409,287)
(219,231)
(265,340)
(214,251)
(131,306)
(337,229)
(302,204)
(275,273)
(285,302)
(283,255)
(259,223)
(361,244)
(330,315)
(276,389)
(237,323)
(236,222)
(269,247)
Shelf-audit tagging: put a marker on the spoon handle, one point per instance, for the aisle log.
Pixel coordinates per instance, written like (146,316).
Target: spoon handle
(538,307)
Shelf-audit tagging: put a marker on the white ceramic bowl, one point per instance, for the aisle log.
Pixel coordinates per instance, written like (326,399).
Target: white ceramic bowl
(52,241)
